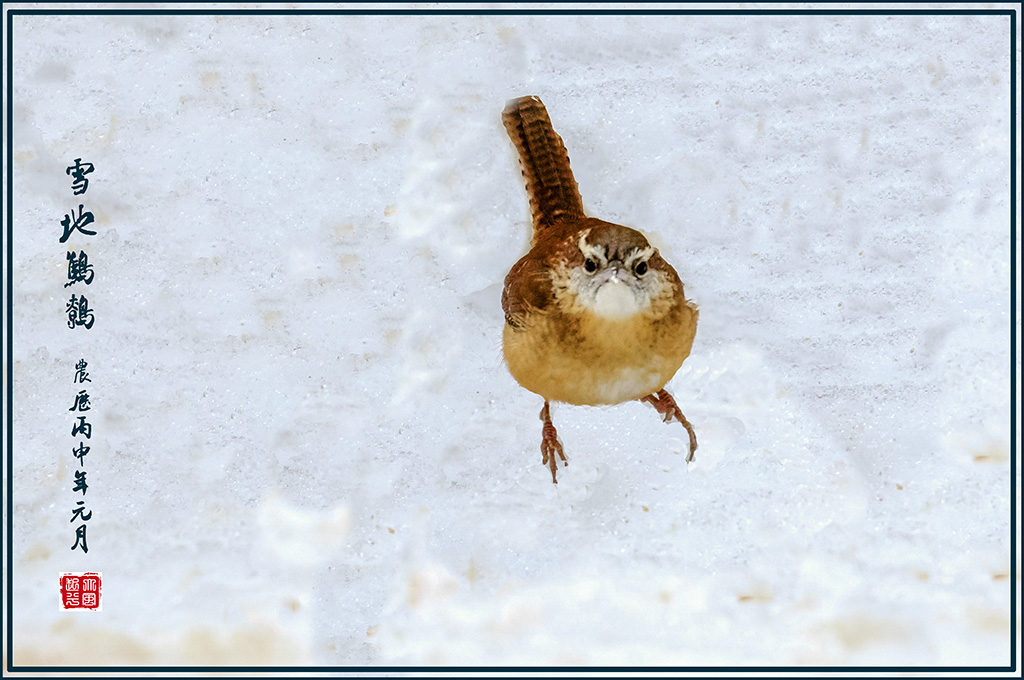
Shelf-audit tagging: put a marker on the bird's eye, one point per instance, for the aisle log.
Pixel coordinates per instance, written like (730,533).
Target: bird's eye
(640,268)
(590,265)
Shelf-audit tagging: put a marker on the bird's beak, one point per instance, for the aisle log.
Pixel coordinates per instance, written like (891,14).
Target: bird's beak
(614,272)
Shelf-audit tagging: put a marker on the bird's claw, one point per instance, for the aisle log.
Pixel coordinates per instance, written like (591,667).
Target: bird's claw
(550,447)
(666,405)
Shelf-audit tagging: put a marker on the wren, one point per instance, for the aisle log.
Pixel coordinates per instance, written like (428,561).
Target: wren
(593,314)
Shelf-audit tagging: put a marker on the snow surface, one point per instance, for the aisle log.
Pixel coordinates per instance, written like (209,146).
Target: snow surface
(306,447)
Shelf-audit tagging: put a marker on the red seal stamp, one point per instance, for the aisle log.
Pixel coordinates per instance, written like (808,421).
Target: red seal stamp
(81,590)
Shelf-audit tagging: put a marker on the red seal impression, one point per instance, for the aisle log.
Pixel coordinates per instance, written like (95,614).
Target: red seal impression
(81,590)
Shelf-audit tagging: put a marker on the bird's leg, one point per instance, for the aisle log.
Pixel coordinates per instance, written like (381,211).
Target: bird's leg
(666,405)
(549,444)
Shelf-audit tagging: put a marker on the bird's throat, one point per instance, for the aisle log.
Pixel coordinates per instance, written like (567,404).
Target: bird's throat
(615,301)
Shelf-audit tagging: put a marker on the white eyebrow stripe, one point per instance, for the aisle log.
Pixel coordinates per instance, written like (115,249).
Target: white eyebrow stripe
(592,252)
(640,255)
(583,237)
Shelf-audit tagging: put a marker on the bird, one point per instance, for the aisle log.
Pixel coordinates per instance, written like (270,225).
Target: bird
(594,315)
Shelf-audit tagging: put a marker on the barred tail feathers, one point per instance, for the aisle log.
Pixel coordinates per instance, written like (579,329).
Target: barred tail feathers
(544,161)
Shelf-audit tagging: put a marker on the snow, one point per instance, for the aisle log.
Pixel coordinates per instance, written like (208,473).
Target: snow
(306,447)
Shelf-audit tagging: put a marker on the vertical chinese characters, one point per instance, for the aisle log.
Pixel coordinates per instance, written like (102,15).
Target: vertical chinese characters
(79,270)
(80,273)
(81,427)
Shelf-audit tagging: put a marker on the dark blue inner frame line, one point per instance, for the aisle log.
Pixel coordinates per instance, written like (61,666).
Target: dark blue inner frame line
(9,610)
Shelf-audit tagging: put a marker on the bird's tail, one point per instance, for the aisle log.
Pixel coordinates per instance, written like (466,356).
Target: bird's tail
(553,192)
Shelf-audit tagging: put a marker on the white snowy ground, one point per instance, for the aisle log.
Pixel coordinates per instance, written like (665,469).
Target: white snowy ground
(306,449)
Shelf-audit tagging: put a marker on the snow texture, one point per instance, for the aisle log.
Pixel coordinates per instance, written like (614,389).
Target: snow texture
(306,447)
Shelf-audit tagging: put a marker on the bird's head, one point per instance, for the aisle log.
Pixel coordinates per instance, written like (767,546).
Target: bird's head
(615,273)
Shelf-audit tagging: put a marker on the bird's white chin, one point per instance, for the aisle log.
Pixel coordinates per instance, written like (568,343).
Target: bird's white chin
(615,300)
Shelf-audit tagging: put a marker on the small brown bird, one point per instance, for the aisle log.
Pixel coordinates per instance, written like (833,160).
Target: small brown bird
(593,314)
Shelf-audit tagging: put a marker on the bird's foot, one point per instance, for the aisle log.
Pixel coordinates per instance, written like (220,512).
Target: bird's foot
(666,406)
(550,447)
